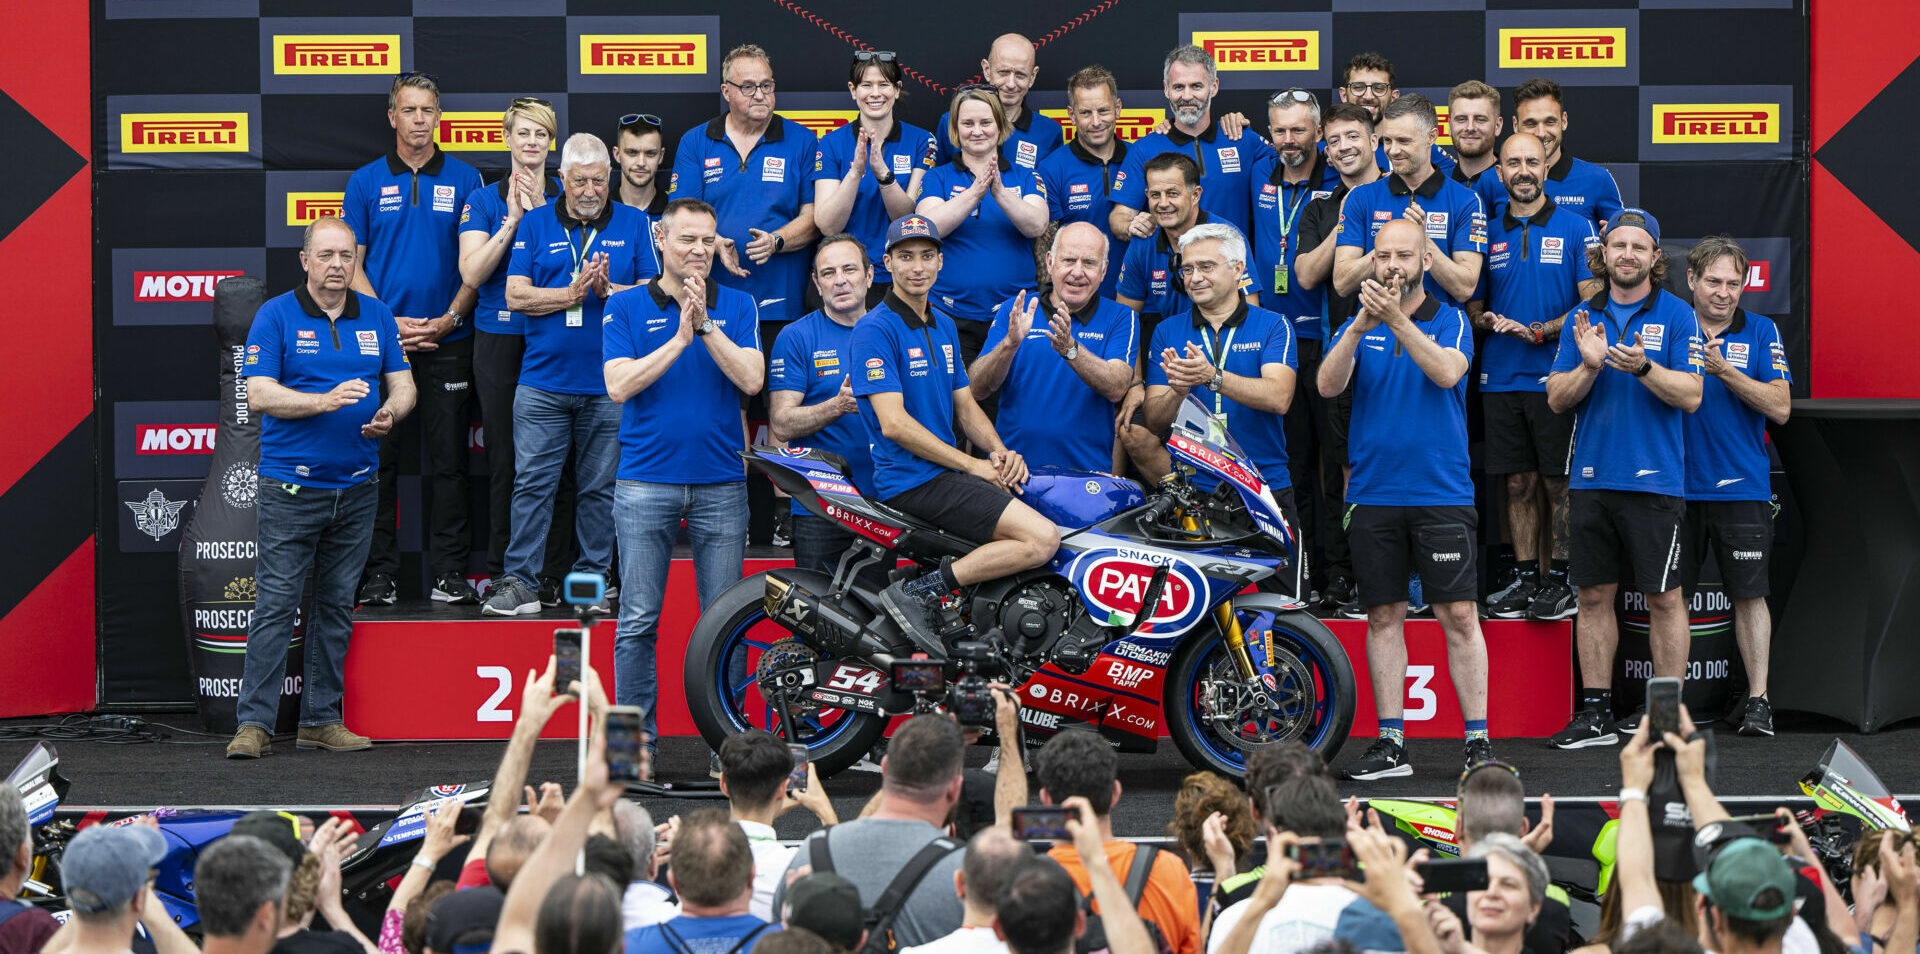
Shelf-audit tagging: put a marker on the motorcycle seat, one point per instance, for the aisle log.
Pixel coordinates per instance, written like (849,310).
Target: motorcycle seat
(928,537)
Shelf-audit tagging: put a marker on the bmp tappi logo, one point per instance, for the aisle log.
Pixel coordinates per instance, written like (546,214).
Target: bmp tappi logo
(1716,122)
(472,132)
(177,286)
(183,132)
(821,121)
(1240,50)
(303,208)
(1130,125)
(1569,48)
(643,53)
(316,53)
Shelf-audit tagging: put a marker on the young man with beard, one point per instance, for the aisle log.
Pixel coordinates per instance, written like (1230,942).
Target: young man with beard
(1082,178)
(1474,123)
(1448,213)
(1579,186)
(1411,501)
(1368,81)
(1191,80)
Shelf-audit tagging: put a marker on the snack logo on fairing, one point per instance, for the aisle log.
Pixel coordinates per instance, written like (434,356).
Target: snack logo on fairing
(1113,583)
(446,791)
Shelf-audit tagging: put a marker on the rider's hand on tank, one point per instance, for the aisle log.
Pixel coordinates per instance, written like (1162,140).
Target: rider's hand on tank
(1011,467)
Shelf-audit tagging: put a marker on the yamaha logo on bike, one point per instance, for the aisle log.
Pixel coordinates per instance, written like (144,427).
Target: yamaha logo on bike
(1113,583)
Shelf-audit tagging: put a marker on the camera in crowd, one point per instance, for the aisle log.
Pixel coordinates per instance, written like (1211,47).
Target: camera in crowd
(969,698)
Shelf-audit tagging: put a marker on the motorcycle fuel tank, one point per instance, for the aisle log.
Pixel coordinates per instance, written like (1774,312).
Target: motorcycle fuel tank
(1080,498)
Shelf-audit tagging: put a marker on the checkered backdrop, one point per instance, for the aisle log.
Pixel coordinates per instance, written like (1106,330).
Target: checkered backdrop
(225,124)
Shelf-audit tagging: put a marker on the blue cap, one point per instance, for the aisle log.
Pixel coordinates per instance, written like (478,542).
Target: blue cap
(914,226)
(1639,219)
(106,865)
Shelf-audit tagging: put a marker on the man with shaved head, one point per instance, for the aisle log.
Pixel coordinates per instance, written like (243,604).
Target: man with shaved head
(1011,69)
(1410,502)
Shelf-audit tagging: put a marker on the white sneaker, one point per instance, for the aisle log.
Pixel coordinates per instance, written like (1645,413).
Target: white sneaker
(870,762)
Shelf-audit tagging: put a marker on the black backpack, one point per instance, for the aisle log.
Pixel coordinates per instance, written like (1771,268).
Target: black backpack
(1094,941)
(879,916)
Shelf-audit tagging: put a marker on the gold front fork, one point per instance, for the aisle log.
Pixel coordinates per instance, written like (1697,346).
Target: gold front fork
(1229,623)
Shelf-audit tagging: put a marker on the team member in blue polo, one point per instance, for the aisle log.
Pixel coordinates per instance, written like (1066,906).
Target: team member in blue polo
(680,353)
(1629,365)
(405,208)
(1729,491)
(1410,503)
(1080,179)
(1368,81)
(1576,185)
(752,167)
(1060,358)
(572,255)
(866,174)
(810,394)
(912,387)
(1449,213)
(1537,273)
(316,358)
(1011,69)
(1226,165)
(1474,123)
(1150,274)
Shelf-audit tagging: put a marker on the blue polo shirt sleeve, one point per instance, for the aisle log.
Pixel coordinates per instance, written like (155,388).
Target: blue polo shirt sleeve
(528,242)
(1450,330)
(829,164)
(393,357)
(1682,350)
(1773,366)
(746,334)
(616,335)
(687,181)
(1123,339)
(1356,219)
(876,367)
(1033,186)
(791,368)
(1567,356)
(1132,192)
(997,330)
(473,212)
(263,345)
(1337,335)
(1606,195)
(1278,348)
(1057,188)
(1467,224)
(1162,340)
(354,208)
(1133,270)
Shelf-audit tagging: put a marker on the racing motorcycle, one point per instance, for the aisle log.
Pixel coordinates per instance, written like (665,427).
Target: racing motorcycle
(1154,609)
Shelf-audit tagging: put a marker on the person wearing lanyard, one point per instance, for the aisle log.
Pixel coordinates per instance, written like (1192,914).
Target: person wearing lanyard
(1008,72)
(1080,179)
(1410,505)
(488,223)
(572,257)
(867,174)
(988,214)
(1225,162)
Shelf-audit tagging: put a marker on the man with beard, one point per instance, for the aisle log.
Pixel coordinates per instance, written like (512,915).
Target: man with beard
(1447,211)
(1729,494)
(1226,163)
(1081,178)
(1631,369)
(1011,69)
(1536,274)
(639,146)
(1368,81)
(1410,505)
(1474,122)
(1580,186)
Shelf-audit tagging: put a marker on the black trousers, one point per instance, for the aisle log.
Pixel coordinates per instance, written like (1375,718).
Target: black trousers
(1319,488)
(496,372)
(444,379)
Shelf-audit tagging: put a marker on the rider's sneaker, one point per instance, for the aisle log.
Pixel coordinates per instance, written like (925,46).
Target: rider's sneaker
(870,762)
(1554,600)
(1757,719)
(1383,759)
(1478,751)
(1587,727)
(916,607)
(1512,602)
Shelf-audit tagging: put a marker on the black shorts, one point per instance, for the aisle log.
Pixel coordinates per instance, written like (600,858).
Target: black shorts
(1524,436)
(1390,543)
(1339,418)
(1741,535)
(960,504)
(1616,532)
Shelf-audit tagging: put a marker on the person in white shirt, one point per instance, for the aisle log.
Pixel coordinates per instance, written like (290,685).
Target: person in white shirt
(992,855)
(645,901)
(754,770)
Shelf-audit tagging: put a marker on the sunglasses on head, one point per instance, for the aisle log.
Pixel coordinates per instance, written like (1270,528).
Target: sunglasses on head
(873,56)
(1295,95)
(631,120)
(1477,766)
(531,101)
(417,74)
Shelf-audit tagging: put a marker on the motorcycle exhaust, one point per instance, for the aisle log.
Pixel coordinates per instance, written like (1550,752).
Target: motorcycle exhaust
(818,623)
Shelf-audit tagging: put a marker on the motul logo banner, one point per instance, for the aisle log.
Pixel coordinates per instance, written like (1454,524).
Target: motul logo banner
(177,286)
(181,439)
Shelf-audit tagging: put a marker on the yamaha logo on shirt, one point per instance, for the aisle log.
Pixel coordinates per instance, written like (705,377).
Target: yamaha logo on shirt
(902,165)
(1653,337)
(1737,354)
(773,169)
(1553,250)
(1026,153)
(369,341)
(1437,225)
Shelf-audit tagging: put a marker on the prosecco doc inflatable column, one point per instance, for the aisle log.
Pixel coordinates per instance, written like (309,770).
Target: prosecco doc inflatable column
(217,548)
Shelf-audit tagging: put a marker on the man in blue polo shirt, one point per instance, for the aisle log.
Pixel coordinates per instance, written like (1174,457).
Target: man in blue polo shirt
(1729,491)
(405,209)
(1630,367)
(1537,273)
(1576,185)
(316,357)
(1226,165)
(1448,212)
(1410,503)
(1149,276)
(912,388)
(1081,178)
(1011,68)
(680,354)
(1474,124)
(1060,358)
(572,256)
(1368,80)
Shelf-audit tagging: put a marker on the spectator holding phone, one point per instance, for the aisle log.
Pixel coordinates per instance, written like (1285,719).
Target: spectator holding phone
(1493,802)
(551,910)
(1501,914)
(1039,907)
(755,772)
(438,841)
(1385,888)
(517,835)
(1213,828)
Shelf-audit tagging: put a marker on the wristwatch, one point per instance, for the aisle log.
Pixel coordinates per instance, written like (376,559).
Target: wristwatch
(1219,379)
(1072,352)
(1539,332)
(1644,369)
(457,320)
(705,327)
(884,178)
(779,243)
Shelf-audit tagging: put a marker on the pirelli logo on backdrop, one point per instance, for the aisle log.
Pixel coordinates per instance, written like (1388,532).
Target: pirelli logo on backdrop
(310,54)
(305,208)
(1716,123)
(1261,50)
(1445,130)
(646,53)
(1570,48)
(821,121)
(184,132)
(473,132)
(1129,126)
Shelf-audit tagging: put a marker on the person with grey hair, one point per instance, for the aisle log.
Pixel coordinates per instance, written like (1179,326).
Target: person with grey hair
(24,928)
(239,890)
(1498,917)
(1493,803)
(1191,80)
(646,901)
(1011,67)
(572,256)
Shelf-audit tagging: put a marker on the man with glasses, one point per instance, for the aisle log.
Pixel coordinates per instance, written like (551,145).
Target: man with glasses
(1010,70)
(1081,178)
(1368,81)
(639,146)
(1191,80)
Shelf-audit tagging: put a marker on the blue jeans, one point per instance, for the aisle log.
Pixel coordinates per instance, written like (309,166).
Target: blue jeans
(546,425)
(819,543)
(648,516)
(317,530)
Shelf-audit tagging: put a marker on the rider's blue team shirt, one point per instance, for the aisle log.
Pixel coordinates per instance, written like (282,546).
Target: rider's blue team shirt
(1408,439)
(1454,219)
(907,148)
(813,356)
(486,211)
(1534,270)
(1032,138)
(1249,340)
(764,191)
(1579,186)
(985,259)
(1080,189)
(1047,411)
(292,342)
(564,348)
(1726,439)
(685,427)
(1277,208)
(409,221)
(1624,436)
(1226,170)
(895,351)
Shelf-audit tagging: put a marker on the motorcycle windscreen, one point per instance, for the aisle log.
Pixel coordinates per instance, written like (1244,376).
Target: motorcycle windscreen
(1842,782)
(1203,441)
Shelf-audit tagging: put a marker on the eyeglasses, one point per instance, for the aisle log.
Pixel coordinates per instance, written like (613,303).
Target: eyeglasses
(1204,268)
(1377,89)
(631,120)
(751,90)
(873,56)
(416,74)
(975,87)
(1294,95)
(531,101)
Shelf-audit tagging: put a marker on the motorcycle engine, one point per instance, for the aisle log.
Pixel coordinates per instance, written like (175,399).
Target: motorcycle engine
(1032,616)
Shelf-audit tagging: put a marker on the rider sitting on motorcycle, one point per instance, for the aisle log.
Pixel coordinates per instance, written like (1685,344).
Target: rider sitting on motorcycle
(912,386)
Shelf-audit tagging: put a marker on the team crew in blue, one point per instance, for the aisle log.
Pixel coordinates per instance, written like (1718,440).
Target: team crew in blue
(405,209)
(752,166)
(1450,215)
(1368,81)
(1630,367)
(1729,488)
(681,354)
(1060,358)
(1410,502)
(1284,183)
(867,174)
(1574,184)
(316,359)
(1082,177)
(1226,163)
(1011,68)
(1150,274)
(639,150)
(1474,124)
(1537,273)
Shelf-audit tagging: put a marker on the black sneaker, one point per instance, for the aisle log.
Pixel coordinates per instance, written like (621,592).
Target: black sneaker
(1588,727)
(1631,723)
(1352,610)
(1758,717)
(1338,593)
(1513,601)
(378,590)
(454,588)
(782,530)
(510,597)
(548,589)
(1553,600)
(917,608)
(1478,751)
(1384,759)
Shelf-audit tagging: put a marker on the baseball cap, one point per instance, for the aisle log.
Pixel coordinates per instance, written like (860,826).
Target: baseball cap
(1638,218)
(105,866)
(460,913)
(1741,872)
(827,905)
(279,829)
(913,226)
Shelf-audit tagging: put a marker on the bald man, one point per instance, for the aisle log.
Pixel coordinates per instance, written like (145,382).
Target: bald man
(1011,69)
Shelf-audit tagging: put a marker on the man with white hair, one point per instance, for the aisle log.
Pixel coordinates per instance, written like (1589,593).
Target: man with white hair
(571,256)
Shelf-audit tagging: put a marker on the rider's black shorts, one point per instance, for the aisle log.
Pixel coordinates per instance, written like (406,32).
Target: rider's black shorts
(961,504)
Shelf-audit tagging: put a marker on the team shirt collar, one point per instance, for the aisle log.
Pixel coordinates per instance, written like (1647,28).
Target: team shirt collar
(1182,139)
(1428,310)
(655,208)
(1315,175)
(960,162)
(1235,320)
(1541,217)
(1427,190)
(1160,234)
(1734,327)
(1560,168)
(1119,152)
(908,316)
(1603,300)
(398,166)
(568,222)
(313,309)
(663,300)
(1084,315)
(1025,122)
(776,130)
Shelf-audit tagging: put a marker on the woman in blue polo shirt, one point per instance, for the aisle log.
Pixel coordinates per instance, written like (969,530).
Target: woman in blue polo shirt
(988,214)
(868,173)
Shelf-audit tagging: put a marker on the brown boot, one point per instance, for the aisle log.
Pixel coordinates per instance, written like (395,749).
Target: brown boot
(333,738)
(250,742)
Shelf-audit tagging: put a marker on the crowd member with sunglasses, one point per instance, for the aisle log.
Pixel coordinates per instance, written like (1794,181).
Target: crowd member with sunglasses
(639,146)
(1008,72)
(868,173)
(1492,800)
